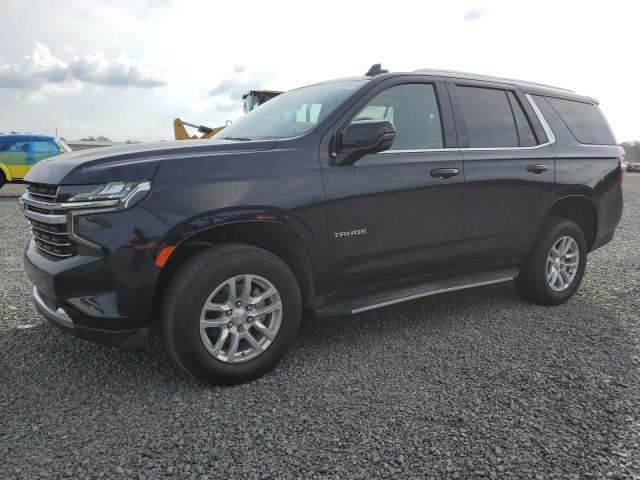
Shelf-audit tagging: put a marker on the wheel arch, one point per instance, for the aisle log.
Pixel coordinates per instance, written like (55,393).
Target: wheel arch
(274,237)
(5,171)
(580,209)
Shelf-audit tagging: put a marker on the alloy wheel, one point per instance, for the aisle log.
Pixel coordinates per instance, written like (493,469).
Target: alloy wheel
(241,318)
(562,263)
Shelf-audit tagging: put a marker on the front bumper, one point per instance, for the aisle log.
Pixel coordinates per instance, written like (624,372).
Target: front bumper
(124,340)
(104,292)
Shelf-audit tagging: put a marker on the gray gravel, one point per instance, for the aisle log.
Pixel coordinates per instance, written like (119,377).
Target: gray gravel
(467,384)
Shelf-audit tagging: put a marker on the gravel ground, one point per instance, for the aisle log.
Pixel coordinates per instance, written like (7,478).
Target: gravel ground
(468,384)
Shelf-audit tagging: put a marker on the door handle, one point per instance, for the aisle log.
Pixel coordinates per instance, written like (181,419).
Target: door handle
(444,173)
(538,168)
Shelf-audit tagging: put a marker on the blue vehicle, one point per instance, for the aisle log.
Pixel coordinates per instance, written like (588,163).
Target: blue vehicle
(18,153)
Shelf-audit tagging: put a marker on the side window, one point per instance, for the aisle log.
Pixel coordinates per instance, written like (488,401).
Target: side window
(413,111)
(525,132)
(41,147)
(19,147)
(488,116)
(376,112)
(54,148)
(584,120)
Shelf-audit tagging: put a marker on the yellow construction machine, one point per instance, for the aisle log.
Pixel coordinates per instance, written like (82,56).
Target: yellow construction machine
(254,98)
(251,100)
(181,133)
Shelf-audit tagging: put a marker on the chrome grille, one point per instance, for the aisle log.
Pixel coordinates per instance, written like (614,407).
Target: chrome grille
(51,218)
(53,239)
(43,191)
(48,222)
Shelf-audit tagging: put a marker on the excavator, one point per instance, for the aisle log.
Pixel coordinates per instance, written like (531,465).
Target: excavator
(251,99)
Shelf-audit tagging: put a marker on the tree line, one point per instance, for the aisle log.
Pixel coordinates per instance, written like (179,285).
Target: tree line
(632,151)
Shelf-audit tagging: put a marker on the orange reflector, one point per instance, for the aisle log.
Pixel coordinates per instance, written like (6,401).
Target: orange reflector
(163,256)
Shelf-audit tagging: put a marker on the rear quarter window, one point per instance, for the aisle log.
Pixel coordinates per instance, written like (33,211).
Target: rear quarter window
(584,120)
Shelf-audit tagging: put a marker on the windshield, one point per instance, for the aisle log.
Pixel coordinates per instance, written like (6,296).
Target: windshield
(64,146)
(291,114)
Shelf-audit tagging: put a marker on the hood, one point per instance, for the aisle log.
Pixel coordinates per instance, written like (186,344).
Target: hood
(130,162)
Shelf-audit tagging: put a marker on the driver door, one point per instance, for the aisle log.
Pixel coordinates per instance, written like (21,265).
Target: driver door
(391,215)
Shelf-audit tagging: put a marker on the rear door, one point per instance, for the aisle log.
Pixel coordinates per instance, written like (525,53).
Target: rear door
(509,171)
(391,215)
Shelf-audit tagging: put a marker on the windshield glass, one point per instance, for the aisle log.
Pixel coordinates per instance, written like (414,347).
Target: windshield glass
(290,114)
(64,146)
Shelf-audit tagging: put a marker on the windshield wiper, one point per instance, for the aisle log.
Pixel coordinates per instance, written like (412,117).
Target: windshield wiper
(238,139)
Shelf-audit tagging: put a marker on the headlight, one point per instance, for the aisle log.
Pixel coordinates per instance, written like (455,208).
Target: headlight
(120,194)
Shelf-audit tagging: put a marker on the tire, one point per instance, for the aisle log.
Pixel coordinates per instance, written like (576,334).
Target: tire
(192,344)
(536,275)
(3,179)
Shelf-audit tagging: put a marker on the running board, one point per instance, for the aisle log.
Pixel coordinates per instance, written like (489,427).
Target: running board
(383,299)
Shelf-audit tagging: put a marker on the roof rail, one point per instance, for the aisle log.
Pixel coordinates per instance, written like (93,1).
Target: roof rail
(475,76)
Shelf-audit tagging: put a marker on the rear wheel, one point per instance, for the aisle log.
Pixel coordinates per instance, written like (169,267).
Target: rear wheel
(554,269)
(230,313)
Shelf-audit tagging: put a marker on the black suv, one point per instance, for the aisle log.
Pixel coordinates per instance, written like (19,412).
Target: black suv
(339,197)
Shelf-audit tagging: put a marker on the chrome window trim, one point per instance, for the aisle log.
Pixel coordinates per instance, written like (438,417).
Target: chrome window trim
(551,138)
(535,147)
(465,149)
(421,150)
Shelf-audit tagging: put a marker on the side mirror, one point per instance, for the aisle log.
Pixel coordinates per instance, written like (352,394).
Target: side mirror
(362,138)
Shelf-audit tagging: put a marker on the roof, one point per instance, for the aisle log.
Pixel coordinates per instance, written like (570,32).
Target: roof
(524,85)
(90,143)
(262,91)
(28,137)
(487,78)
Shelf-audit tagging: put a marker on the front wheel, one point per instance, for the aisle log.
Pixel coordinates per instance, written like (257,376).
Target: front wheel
(230,313)
(554,269)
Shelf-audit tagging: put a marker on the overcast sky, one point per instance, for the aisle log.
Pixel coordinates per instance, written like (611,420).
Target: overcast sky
(125,69)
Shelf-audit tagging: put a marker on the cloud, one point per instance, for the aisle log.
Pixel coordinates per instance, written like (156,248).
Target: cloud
(227,107)
(121,72)
(41,68)
(235,87)
(239,69)
(474,14)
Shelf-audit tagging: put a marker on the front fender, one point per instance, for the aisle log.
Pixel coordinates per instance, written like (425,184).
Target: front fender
(189,229)
(274,231)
